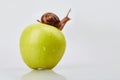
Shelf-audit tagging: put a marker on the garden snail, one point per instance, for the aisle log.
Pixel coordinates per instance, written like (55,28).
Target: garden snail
(52,19)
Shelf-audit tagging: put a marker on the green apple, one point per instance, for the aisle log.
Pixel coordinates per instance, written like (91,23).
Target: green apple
(42,46)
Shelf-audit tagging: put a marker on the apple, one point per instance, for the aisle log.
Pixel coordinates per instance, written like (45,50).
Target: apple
(42,46)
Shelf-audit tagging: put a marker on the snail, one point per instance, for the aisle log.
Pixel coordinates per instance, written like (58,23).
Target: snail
(52,19)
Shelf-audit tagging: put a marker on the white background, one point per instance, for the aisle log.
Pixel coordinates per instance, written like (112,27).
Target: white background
(93,34)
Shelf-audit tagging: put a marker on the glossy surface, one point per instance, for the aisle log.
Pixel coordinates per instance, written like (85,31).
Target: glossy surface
(42,46)
(81,72)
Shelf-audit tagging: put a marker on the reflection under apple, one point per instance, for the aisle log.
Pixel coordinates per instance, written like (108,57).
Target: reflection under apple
(42,75)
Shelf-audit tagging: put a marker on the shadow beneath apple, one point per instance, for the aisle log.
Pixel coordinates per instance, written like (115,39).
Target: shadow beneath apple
(42,75)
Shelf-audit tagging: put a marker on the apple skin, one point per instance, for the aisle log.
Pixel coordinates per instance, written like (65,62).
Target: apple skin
(42,46)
